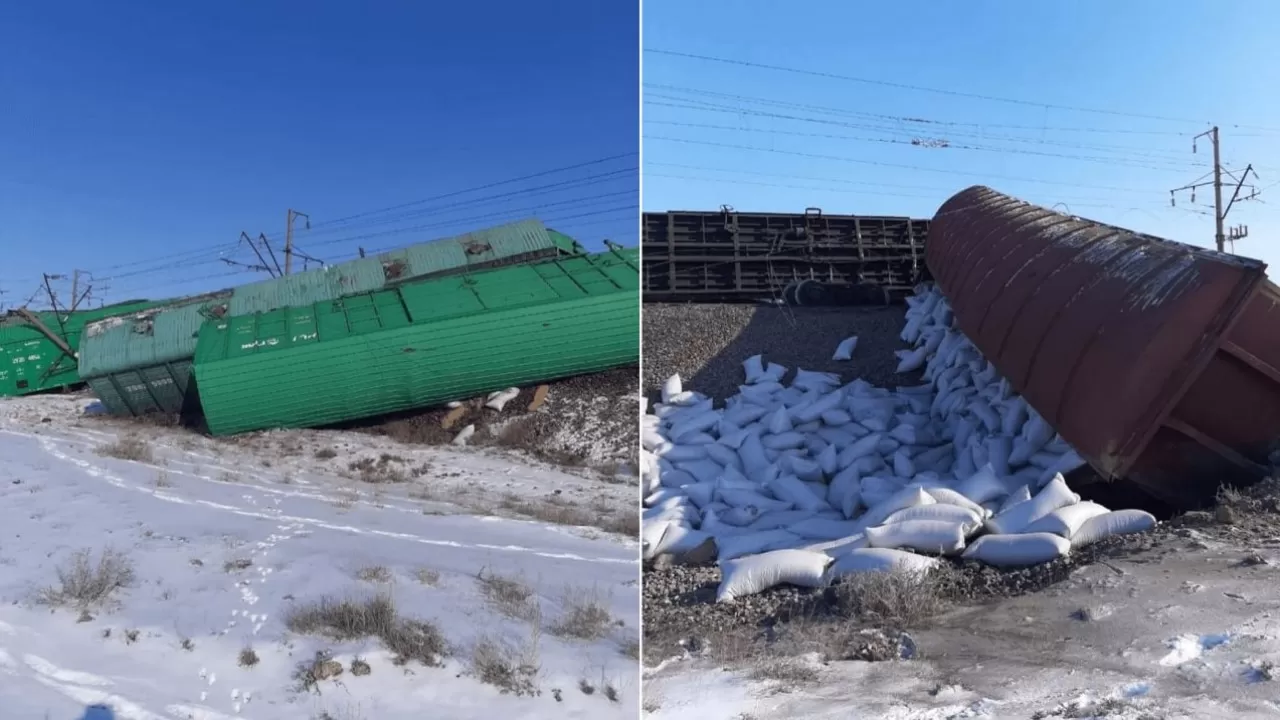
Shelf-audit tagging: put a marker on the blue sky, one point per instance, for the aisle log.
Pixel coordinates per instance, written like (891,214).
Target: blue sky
(149,135)
(768,140)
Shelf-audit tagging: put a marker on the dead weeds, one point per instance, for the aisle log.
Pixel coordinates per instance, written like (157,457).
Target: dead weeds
(128,447)
(84,584)
(408,638)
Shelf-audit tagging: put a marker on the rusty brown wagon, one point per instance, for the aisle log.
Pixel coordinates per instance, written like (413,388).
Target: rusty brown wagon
(1158,361)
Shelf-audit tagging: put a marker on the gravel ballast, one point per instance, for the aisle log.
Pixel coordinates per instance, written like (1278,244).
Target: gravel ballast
(706,344)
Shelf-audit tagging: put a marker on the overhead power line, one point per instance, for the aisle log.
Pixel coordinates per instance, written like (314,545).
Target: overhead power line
(228,247)
(487,186)
(838,158)
(826,109)
(924,143)
(921,88)
(891,124)
(214,253)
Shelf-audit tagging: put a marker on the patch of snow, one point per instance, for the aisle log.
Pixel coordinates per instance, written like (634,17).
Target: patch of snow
(226,539)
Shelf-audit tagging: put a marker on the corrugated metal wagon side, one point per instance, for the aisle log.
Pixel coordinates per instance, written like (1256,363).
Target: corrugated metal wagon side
(419,344)
(1156,360)
(34,347)
(143,364)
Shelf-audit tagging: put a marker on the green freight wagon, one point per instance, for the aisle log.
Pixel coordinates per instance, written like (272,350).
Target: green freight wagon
(38,349)
(420,343)
(143,365)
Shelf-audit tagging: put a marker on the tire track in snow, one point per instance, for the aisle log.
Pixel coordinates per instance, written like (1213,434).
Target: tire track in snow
(49,445)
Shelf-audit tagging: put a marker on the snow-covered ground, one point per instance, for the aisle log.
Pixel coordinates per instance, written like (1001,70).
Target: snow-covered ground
(1185,630)
(225,539)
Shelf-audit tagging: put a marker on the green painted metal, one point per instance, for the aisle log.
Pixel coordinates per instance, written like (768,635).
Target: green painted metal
(142,364)
(146,348)
(31,362)
(420,343)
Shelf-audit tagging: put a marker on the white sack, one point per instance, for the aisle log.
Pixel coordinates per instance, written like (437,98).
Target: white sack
(1014,520)
(982,486)
(1117,522)
(824,529)
(499,400)
(879,560)
(952,497)
(779,519)
(680,539)
(1017,550)
(1065,521)
(901,500)
(839,547)
(792,490)
(748,576)
(671,388)
(754,369)
(912,360)
(845,491)
(464,435)
(970,519)
(735,546)
(931,536)
(844,351)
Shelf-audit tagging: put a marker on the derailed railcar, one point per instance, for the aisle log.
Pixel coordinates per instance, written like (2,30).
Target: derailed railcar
(39,349)
(419,343)
(731,256)
(1158,361)
(141,364)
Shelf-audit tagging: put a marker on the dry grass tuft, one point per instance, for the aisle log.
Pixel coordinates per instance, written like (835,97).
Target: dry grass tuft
(789,671)
(374,574)
(84,584)
(897,599)
(510,596)
(343,620)
(511,667)
(248,658)
(560,511)
(128,447)
(585,617)
(386,469)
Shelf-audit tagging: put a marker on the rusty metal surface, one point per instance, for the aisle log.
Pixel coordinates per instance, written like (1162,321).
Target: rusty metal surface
(1156,360)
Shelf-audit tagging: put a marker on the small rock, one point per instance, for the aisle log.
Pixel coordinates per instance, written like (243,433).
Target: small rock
(360,668)
(326,669)
(1225,515)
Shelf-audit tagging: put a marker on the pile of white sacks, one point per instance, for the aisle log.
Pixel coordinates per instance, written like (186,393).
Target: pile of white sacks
(805,483)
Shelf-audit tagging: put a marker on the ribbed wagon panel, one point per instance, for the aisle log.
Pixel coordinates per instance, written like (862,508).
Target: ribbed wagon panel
(249,383)
(30,362)
(153,344)
(1148,355)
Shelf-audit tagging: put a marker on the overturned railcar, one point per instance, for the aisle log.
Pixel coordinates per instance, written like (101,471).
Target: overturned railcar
(142,363)
(731,256)
(1158,361)
(419,343)
(39,349)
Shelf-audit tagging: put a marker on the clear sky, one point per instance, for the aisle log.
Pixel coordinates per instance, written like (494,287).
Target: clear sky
(148,135)
(772,140)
